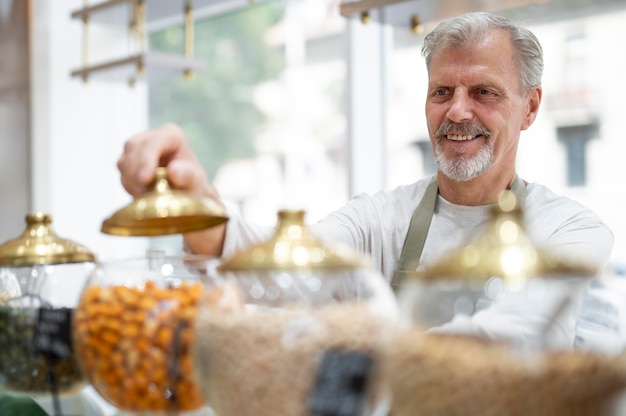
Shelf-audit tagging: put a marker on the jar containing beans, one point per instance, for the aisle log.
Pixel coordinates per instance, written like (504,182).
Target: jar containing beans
(41,278)
(301,328)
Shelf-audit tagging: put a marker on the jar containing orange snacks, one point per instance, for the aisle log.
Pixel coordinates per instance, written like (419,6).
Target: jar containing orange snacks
(133,332)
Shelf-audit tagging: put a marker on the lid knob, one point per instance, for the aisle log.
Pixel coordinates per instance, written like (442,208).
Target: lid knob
(38,245)
(162,210)
(293,246)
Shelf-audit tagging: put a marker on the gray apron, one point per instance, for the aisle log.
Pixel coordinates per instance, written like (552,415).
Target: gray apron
(420,223)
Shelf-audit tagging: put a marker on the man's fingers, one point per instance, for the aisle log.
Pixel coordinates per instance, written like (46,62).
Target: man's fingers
(146,151)
(189,176)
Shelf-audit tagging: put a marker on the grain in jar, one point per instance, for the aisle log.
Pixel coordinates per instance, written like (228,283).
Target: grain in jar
(269,361)
(444,374)
(304,332)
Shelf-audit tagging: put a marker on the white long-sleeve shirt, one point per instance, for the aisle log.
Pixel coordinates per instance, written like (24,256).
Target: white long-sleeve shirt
(378,224)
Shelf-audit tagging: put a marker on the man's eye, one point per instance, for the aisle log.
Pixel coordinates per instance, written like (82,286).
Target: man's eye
(440,92)
(484,92)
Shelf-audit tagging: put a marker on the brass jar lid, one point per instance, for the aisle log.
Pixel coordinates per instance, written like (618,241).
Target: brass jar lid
(505,251)
(39,245)
(293,246)
(162,210)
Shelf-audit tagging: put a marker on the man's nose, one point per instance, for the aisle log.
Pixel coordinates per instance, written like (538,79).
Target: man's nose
(461,108)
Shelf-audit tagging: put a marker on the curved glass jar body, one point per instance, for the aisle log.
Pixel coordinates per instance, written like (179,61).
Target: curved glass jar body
(36,354)
(527,317)
(41,278)
(500,287)
(287,340)
(133,332)
(493,321)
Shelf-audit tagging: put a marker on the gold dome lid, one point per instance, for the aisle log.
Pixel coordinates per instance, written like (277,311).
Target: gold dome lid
(294,247)
(39,245)
(505,251)
(162,210)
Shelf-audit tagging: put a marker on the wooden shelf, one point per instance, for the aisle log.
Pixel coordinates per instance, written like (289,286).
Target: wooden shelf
(118,12)
(348,8)
(152,65)
(398,13)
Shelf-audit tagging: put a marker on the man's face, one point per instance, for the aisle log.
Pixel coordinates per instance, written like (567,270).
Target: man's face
(475,108)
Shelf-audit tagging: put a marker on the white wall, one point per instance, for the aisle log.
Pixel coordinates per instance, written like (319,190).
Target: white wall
(14,118)
(78,131)
(542,157)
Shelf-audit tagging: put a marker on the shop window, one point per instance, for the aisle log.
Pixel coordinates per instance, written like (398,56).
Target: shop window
(266,118)
(575,139)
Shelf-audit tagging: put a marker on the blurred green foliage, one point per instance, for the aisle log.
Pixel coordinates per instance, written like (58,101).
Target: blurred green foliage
(19,406)
(215,107)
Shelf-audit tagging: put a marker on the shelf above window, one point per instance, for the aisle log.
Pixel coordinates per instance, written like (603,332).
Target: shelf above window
(159,13)
(351,7)
(139,17)
(152,65)
(400,13)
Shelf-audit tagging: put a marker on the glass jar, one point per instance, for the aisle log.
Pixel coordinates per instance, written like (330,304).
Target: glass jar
(301,327)
(490,328)
(133,331)
(500,277)
(133,325)
(41,278)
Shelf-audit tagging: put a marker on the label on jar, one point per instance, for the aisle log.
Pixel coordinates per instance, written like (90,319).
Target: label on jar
(341,383)
(53,337)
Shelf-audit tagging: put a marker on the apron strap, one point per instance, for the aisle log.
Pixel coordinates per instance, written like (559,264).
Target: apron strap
(416,236)
(420,223)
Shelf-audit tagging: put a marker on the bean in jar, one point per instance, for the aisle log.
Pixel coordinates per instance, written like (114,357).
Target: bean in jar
(41,278)
(23,368)
(134,345)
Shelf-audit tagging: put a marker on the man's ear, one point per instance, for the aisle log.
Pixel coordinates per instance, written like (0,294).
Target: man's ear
(533,101)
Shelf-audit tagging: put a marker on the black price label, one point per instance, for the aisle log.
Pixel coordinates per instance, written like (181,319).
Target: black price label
(53,337)
(341,383)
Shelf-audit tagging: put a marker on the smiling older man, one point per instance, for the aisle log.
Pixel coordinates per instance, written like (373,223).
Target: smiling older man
(484,88)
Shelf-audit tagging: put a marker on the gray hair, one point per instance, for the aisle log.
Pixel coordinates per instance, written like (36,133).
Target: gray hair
(472,26)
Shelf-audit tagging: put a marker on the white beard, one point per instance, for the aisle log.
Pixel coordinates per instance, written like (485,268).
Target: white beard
(463,169)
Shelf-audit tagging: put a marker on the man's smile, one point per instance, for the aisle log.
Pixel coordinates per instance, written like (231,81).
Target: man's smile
(461,137)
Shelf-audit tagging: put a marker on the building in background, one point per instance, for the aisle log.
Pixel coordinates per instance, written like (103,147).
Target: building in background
(575,146)
(344,114)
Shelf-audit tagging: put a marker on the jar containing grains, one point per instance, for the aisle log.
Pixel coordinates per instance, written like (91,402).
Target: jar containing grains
(301,328)
(491,331)
(133,332)
(41,278)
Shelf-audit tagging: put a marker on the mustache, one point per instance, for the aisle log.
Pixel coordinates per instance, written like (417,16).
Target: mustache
(449,127)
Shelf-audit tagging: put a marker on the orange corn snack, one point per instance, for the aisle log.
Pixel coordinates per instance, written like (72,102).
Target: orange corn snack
(134,345)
